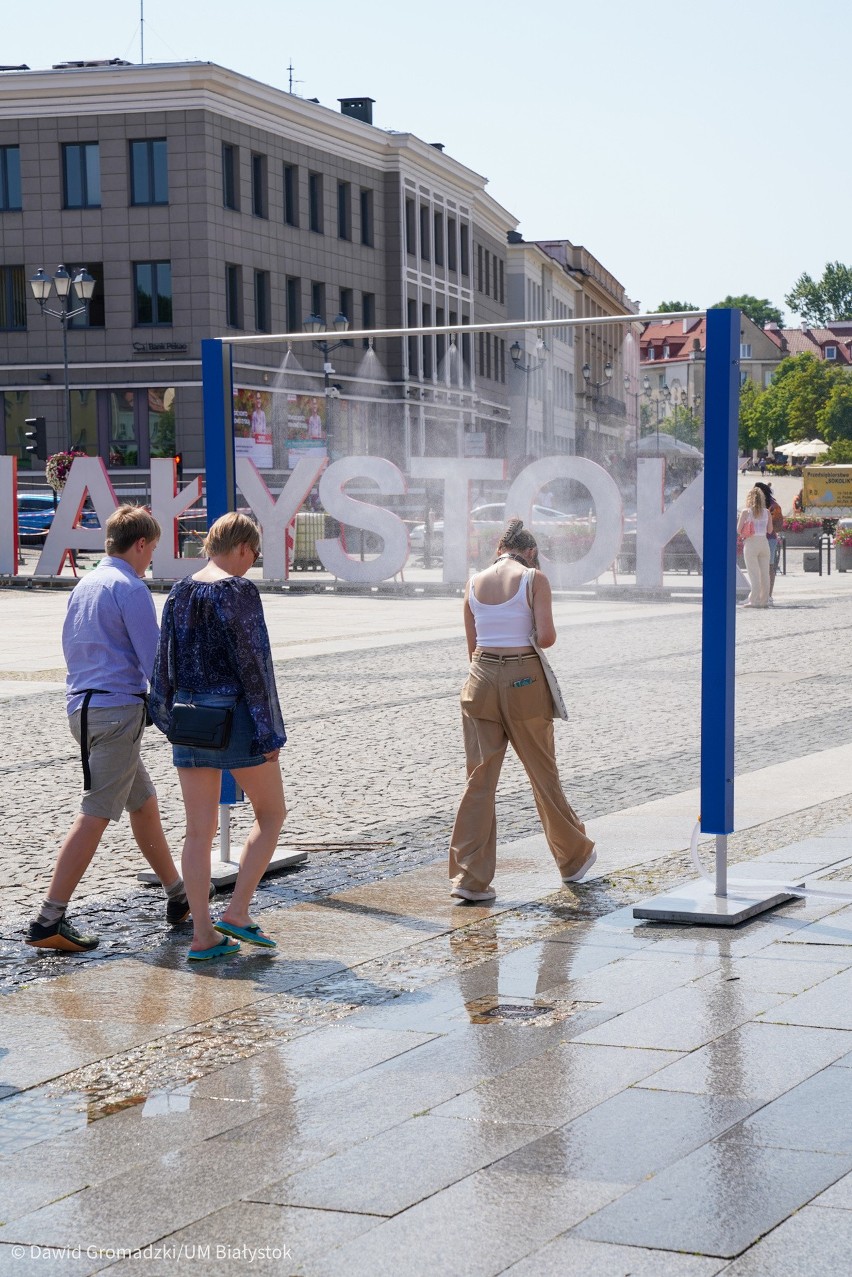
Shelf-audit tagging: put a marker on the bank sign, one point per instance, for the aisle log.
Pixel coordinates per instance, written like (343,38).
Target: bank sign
(656,522)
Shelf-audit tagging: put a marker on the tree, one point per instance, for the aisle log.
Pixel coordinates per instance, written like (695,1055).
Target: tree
(839,454)
(835,421)
(750,436)
(759,309)
(666,308)
(824,301)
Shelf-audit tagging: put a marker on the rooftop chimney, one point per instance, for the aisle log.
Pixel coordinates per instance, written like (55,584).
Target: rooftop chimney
(358,108)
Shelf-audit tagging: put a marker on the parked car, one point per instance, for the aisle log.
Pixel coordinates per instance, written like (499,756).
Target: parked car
(489,521)
(35,515)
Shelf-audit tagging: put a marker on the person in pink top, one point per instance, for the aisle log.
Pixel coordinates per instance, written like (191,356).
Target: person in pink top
(506,699)
(753,526)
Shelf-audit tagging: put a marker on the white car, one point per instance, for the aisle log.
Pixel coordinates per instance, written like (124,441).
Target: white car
(485,519)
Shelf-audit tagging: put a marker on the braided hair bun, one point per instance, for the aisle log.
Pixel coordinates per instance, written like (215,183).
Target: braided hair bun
(516,537)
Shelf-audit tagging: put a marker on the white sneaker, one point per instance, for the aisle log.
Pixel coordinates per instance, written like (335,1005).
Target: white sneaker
(581,873)
(460,892)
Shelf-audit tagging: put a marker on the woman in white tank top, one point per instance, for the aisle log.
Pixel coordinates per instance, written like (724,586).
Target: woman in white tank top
(506,699)
(753,525)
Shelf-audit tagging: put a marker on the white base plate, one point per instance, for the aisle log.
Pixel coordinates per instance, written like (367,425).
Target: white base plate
(696,903)
(223,872)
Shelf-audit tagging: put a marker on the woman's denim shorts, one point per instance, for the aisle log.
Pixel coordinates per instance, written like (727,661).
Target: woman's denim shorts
(237,753)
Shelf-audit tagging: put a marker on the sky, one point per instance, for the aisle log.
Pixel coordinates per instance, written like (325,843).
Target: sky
(697,150)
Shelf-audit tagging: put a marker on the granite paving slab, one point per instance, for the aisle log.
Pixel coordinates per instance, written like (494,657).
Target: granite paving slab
(682,1019)
(469,1219)
(719,1199)
(397,1168)
(811,1115)
(771,972)
(248,1237)
(836,929)
(570,1254)
(826,849)
(630,1136)
(556,1087)
(632,981)
(753,1061)
(37,1048)
(28,1261)
(473,1053)
(827,1006)
(815,1242)
(838,1196)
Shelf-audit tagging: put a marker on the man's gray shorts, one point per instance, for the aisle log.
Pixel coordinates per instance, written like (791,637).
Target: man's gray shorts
(119,779)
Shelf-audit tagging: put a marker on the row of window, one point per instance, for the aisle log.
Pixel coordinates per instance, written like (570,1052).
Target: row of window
(448,246)
(491,357)
(343,303)
(291,196)
(427,355)
(489,274)
(81,174)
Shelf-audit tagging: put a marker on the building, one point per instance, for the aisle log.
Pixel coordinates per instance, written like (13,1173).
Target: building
(833,344)
(204,204)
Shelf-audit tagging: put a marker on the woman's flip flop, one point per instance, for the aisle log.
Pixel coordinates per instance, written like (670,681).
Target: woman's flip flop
(222,950)
(251,935)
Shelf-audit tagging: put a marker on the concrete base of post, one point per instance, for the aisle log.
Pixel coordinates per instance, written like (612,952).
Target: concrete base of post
(223,869)
(697,904)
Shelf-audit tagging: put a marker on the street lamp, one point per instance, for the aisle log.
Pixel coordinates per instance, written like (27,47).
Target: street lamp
(84,285)
(595,388)
(527,366)
(663,395)
(316,324)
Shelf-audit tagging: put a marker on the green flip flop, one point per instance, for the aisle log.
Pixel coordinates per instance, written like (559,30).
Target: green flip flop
(251,935)
(221,950)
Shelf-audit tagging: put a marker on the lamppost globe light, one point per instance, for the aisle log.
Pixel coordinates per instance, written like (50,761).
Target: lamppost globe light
(341,323)
(646,385)
(587,372)
(608,370)
(84,284)
(41,285)
(515,352)
(62,282)
(313,324)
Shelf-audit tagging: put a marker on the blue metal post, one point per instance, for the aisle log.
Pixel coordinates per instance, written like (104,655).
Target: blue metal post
(218,393)
(722,390)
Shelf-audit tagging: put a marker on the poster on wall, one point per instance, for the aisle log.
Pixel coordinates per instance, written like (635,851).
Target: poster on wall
(253,426)
(305,427)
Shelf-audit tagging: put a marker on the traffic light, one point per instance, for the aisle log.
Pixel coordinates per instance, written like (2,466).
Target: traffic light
(179,466)
(36,432)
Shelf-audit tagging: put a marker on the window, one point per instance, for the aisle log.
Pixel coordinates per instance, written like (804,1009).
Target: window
(294,304)
(503,283)
(367,217)
(230,176)
(665,352)
(315,202)
(440,339)
(428,342)
(410,228)
(149,171)
(152,283)
(411,320)
(452,261)
(262,313)
(368,313)
(465,350)
(13,298)
(94,317)
(480,269)
(424,232)
(831,352)
(81,166)
(438,238)
(346,304)
(464,249)
(10,178)
(259,190)
(291,195)
(487,288)
(651,355)
(745,350)
(318,300)
(233,296)
(344,210)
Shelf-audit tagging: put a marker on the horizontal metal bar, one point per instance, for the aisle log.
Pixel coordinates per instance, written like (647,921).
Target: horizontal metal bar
(450,329)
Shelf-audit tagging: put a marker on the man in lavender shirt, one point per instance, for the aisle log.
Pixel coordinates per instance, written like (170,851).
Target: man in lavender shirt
(109,640)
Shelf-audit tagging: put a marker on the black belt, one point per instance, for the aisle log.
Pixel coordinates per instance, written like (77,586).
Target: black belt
(84,728)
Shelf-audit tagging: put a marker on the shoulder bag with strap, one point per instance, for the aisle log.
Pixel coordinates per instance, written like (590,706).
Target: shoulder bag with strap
(198,726)
(559,707)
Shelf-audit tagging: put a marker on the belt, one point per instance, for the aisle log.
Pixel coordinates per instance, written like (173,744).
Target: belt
(84,728)
(489,656)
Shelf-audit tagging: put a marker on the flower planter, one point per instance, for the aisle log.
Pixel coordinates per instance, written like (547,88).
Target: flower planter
(808,538)
(843,558)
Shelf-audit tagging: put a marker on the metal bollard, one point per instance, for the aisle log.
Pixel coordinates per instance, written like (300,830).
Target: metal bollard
(825,542)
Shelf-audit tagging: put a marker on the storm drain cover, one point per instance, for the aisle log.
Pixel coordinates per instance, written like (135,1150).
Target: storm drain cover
(512,1011)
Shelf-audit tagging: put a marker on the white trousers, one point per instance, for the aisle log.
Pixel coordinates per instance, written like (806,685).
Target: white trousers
(756,554)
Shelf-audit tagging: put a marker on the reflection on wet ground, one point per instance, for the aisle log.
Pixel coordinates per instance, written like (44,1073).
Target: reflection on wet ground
(402,1058)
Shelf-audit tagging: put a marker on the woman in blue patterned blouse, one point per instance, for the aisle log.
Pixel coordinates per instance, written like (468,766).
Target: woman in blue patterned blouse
(214,646)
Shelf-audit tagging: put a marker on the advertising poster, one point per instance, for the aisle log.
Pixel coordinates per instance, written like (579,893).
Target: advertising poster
(253,426)
(827,486)
(305,426)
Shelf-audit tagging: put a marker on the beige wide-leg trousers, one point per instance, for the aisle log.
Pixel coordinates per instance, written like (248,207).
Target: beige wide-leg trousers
(508,702)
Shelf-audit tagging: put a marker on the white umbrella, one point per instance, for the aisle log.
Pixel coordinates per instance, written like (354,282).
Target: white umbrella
(804,448)
(665,445)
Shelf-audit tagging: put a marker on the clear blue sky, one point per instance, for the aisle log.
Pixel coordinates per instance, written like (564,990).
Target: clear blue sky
(696,149)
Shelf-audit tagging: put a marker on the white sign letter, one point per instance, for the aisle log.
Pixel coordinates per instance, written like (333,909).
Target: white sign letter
(87,477)
(166,504)
(8,516)
(358,514)
(457,475)
(608,511)
(656,524)
(274,516)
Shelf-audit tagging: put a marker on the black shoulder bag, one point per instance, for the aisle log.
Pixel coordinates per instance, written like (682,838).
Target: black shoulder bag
(199,726)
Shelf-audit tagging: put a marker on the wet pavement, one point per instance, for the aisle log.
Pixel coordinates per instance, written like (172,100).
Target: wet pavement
(413,1085)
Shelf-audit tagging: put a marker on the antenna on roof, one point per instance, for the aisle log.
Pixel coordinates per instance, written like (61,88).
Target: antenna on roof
(141,30)
(290,70)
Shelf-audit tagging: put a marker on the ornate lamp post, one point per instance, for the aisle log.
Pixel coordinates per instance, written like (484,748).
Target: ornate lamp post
(316,324)
(527,366)
(84,286)
(595,388)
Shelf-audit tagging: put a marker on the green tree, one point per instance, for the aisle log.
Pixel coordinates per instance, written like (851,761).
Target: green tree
(666,308)
(793,406)
(835,421)
(750,436)
(826,300)
(839,454)
(759,309)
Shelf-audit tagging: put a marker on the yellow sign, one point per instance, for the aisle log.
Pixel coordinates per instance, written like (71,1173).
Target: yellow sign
(827,487)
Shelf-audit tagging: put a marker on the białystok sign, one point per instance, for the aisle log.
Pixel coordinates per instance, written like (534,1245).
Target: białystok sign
(656,523)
